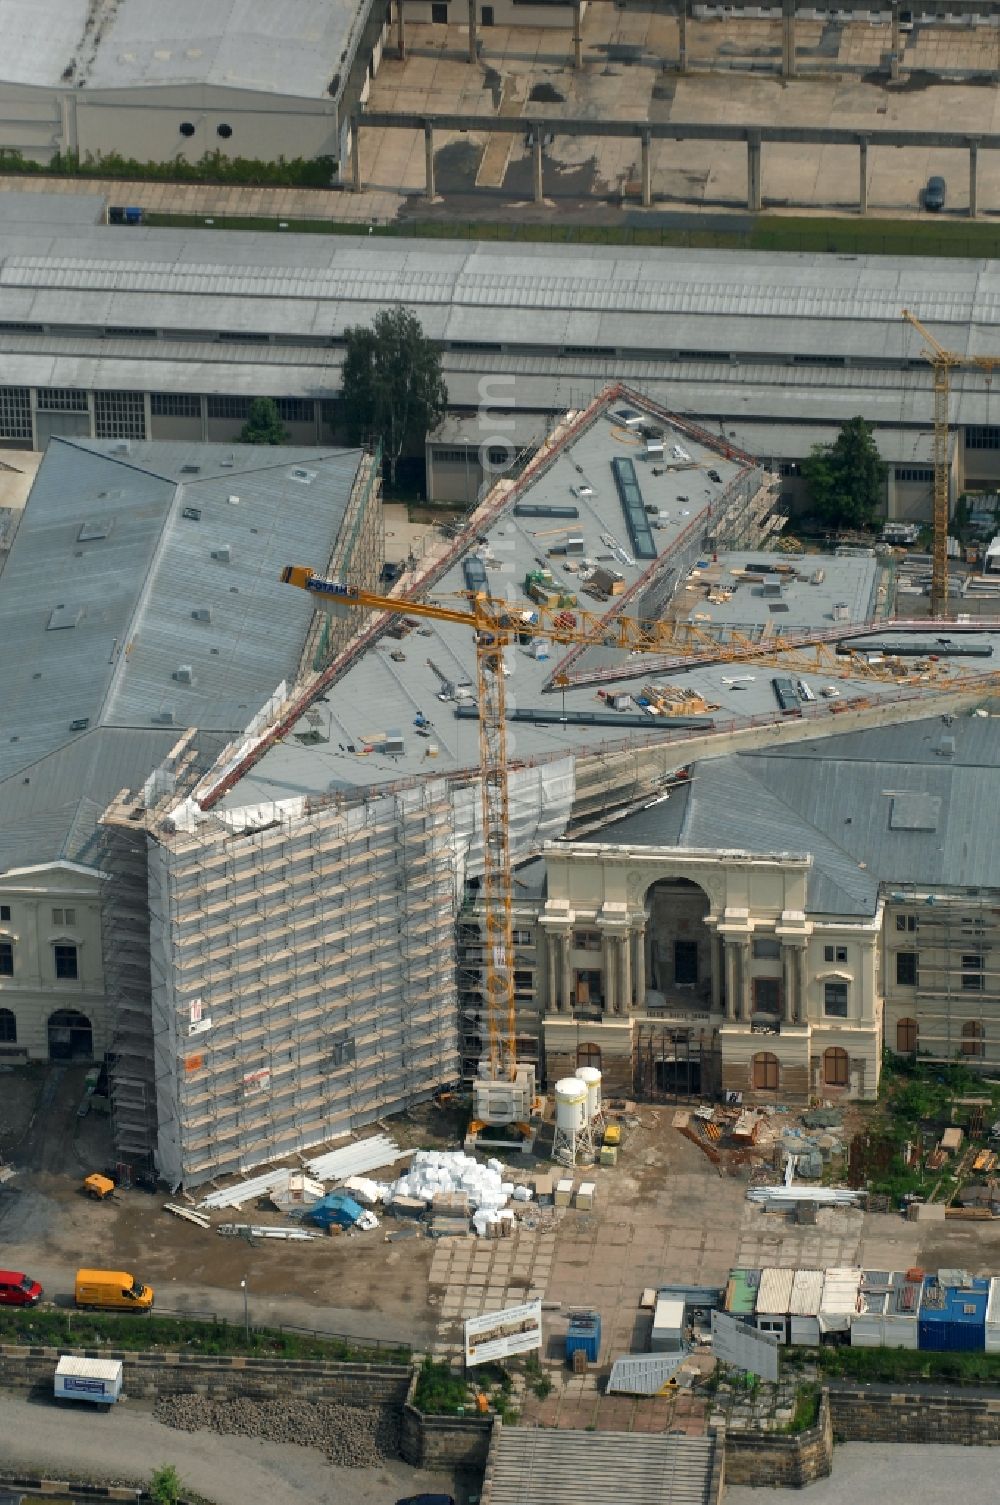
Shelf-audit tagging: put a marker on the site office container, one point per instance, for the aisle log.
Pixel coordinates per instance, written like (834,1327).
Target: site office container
(887,1311)
(953,1318)
(803,1308)
(839,1305)
(774,1298)
(668,1325)
(993,1317)
(741,1294)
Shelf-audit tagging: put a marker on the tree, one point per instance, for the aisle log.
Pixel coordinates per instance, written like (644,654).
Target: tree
(846,478)
(264,425)
(392,384)
(165,1486)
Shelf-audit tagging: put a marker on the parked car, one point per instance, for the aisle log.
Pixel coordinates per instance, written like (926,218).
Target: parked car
(934,194)
(18,1289)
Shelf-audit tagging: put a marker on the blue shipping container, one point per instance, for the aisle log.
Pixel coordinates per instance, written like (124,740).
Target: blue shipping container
(953,1318)
(584,1333)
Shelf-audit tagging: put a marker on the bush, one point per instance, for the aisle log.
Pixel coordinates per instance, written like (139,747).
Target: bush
(440,1391)
(165,1486)
(213,167)
(179,1334)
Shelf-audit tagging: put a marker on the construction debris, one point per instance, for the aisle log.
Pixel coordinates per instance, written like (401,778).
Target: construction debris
(258,1230)
(199,1219)
(356,1159)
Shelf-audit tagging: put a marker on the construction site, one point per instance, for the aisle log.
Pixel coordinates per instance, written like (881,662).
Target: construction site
(282,955)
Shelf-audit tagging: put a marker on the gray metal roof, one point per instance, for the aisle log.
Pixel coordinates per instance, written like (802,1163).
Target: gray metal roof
(98,601)
(913,804)
(603,1468)
(283,47)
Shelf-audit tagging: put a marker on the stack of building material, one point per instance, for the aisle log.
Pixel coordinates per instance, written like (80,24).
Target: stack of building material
(356,1159)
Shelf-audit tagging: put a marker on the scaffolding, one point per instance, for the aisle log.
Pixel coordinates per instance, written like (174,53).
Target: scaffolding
(954,940)
(282,975)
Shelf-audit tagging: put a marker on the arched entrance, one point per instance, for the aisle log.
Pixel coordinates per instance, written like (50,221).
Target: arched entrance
(589,1055)
(679,944)
(70,1036)
(765,1072)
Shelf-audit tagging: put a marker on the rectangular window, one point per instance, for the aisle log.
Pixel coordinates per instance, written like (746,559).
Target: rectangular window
(906,922)
(835,1000)
(439,14)
(983,437)
(587,940)
(229,407)
(119,415)
(5,912)
(175,405)
(828,953)
(766,995)
(523,937)
(972,973)
(914,473)
(452,456)
(523,981)
(66,963)
(906,969)
(841,953)
(295,409)
(15,413)
(6,959)
(61,400)
(64,917)
(766,949)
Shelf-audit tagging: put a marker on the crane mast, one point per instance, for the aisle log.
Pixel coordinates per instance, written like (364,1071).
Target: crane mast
(943,362)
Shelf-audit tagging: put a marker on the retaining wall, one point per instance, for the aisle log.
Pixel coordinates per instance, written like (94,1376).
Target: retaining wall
(864,1415)
(776,1460)
(444,1442)
(148,1375)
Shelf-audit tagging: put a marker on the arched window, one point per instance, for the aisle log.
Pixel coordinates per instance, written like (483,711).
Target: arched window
(588,1055)
(766,1072)
(836,1067)
(973,1039)
(8,1027)
(906,1036)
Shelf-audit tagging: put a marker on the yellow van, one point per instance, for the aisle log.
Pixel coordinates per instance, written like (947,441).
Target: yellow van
(112,1289)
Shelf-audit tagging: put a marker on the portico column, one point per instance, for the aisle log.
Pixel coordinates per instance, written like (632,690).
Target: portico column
(640,969)
(797,958)
(647,176)
(753,171)
(564,999)
(788,984)
(625,1002)
(973,179)
(746,1002)
(788,39)
(550,956)
(400,31)
(682,36)
(863,175)
(732,979)
(608,945)
(356,155)
(718,962)
(538,165)
(429,161)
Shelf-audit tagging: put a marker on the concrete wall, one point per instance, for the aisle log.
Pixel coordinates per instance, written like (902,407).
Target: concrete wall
(38,899)
(505,13)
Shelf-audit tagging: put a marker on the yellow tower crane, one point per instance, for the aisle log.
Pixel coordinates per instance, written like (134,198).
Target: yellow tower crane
(504,1093)
(943,362)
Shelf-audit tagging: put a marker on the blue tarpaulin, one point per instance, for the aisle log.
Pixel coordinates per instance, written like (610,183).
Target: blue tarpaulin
(338,1208)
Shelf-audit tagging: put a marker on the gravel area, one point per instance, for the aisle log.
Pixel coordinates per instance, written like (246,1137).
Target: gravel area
(350,1436)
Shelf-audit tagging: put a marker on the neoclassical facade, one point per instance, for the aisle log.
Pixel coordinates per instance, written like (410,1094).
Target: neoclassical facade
(644,946)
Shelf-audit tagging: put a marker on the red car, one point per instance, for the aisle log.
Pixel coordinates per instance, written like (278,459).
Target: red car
(17,1289)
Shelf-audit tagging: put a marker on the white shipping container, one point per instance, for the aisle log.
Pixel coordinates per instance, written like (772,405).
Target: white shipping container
(839,1305)
(98,1381)
(774,1294)
(668,1326)
(993,1317)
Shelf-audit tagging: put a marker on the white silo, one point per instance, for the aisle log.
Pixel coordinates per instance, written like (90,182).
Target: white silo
(572,1132)
(591,1078)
